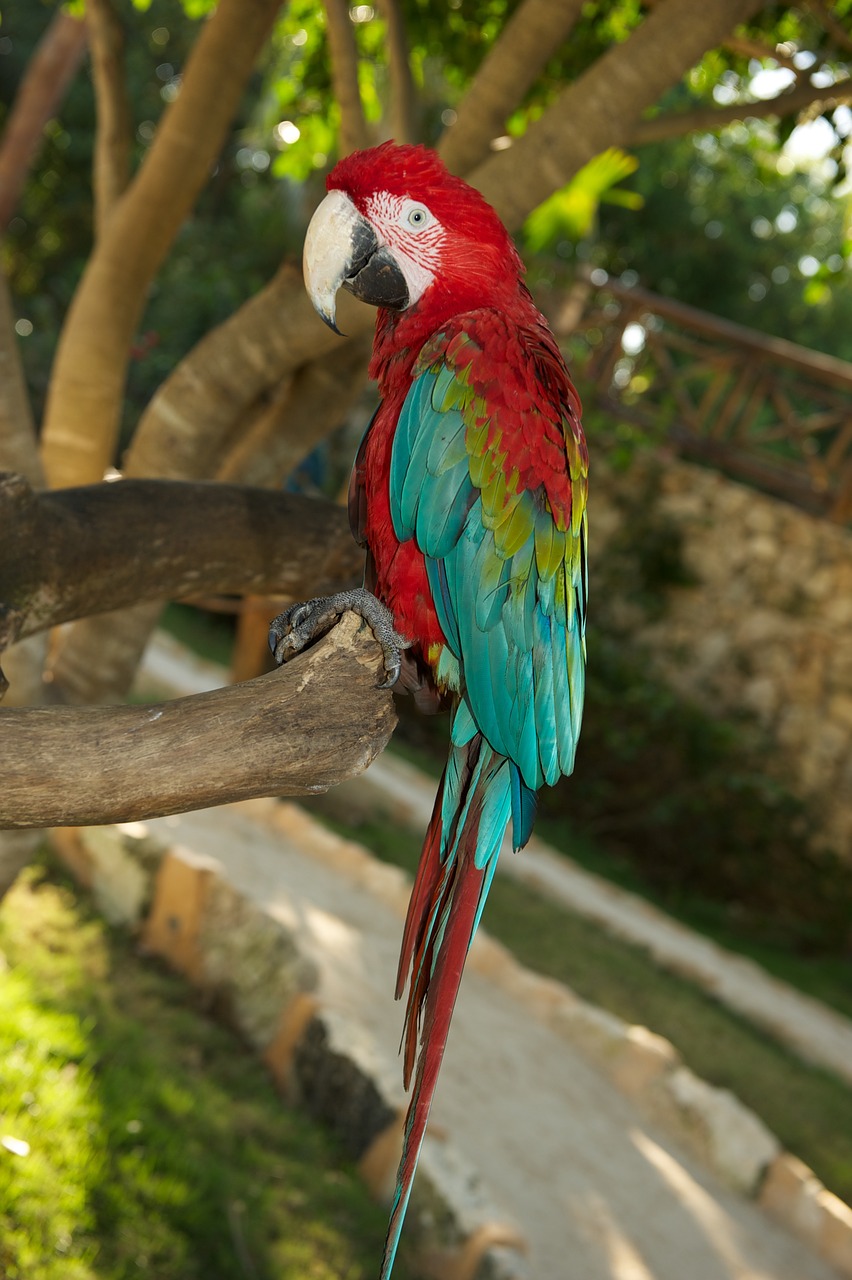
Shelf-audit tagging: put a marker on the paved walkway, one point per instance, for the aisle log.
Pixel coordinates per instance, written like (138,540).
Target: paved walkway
(598,1191)
(818,1034)
(815,1032)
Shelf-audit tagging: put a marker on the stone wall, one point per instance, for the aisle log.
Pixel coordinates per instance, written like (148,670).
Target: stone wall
(760,623)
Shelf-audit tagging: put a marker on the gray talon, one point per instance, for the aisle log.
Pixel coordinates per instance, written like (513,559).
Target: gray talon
(298,625)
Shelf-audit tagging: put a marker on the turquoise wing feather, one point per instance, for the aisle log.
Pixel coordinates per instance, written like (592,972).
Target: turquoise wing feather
(509,585)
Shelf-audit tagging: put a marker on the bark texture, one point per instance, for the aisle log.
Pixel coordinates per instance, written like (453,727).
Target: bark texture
(76,552)
(608,99)
(403,102)
(313,404)
(296,731)
(119,639)
(87,382)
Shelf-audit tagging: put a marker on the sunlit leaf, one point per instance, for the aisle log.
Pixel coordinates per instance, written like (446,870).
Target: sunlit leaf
(570,213)
(816,292)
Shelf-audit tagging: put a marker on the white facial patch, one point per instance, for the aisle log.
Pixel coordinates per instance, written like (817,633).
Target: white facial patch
(414,235)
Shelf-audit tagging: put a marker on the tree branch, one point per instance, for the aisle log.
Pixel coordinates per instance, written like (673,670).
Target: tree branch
(833,26)
(87,382)
(609,98)
(673,124)
(343,53)
(185,430)
(403,105)
(75,552)
(113,134)
(311,405)
(297,731)
(45,82)
(748,48)
(531,36)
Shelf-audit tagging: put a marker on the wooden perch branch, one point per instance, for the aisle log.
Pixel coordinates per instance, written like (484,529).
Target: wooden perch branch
(76,552)
(297,731)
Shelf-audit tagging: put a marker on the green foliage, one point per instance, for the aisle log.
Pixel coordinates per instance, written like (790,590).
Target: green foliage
(729,227)
(156,1143)
(571,212)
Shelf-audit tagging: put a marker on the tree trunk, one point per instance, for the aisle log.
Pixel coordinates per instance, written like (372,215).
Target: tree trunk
(608,99)
(184,432)
(42,89)
(99,658)
(403,101)
(531,37)
(314,403)
(343,55)
(17,849)
(114,132)
(87,383)
(18,448)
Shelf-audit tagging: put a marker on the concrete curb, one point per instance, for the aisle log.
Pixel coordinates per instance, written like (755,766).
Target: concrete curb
(248,962)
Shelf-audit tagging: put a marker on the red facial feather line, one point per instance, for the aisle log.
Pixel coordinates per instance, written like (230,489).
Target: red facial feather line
(421,246)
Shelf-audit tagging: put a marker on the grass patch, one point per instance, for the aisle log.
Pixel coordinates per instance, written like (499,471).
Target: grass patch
(809,1109)
(157,1145)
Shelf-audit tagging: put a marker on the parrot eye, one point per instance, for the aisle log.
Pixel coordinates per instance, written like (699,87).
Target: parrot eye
(416,216)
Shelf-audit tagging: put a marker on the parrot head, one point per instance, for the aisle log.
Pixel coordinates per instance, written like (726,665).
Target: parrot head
(402,233)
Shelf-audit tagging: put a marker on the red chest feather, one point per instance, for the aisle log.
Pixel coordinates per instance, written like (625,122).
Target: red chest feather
(400,568)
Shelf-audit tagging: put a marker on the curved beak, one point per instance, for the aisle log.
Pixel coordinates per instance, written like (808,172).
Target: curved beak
(342,250)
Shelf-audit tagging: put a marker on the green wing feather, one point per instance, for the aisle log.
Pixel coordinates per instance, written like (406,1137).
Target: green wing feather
(509,585)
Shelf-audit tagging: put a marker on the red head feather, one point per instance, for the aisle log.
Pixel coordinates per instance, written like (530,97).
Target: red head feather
(417,172)
(480,265)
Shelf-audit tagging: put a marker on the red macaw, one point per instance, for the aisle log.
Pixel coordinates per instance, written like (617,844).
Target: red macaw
(469,493)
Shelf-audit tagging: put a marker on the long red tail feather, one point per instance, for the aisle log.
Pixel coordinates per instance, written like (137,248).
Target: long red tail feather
(442,917)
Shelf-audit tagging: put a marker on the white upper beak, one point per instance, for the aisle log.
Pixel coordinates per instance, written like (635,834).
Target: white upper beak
(327,254)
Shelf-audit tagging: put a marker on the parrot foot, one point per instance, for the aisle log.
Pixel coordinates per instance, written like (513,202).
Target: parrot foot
(293,629)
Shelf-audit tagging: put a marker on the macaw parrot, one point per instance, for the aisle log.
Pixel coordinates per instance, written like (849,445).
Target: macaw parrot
(469,494)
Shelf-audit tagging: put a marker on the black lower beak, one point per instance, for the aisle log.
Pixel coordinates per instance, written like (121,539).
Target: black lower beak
(374,275)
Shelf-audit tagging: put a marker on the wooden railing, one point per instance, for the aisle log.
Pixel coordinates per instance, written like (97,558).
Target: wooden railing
(761,409)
